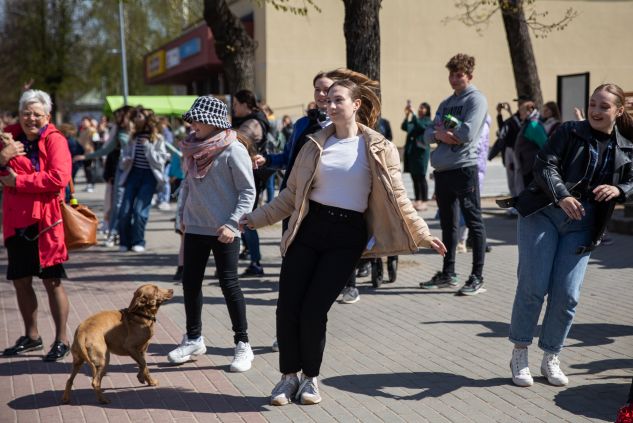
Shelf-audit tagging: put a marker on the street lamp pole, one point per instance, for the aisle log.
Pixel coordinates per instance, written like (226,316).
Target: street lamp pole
(123,57)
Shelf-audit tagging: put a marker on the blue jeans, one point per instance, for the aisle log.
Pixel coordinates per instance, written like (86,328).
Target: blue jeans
(116,201)
(549,265)
(251,239)
(270,188)
(164,195)
(137,202)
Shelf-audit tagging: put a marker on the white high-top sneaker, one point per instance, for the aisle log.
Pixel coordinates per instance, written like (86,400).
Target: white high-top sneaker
(243,357)
(550,368)
(521,375)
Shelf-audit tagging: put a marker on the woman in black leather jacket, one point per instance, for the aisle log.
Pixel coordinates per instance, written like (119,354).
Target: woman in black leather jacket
(580,173)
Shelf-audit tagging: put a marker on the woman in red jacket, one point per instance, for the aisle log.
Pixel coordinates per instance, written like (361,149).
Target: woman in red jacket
(35,165)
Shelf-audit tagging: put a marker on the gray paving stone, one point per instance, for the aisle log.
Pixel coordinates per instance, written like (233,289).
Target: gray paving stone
(399,354)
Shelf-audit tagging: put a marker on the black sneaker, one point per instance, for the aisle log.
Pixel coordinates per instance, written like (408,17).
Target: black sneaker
(178,275)
(22,345)
(58,351)
(392,269)
(440,280)
(364,269)
(473,286)
(253,270)
(244,255)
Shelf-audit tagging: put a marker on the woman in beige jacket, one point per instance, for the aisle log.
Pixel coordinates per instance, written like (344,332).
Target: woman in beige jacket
(345,198)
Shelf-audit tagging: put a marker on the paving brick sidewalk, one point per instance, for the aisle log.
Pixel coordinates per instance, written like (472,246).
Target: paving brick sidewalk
(400,354)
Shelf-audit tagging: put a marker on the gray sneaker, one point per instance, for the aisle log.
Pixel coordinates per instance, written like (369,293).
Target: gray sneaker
(308,392)
(473,286)
(285,390)
(440,280)
(350,295)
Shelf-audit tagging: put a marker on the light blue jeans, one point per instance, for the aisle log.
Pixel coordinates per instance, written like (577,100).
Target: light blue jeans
(137,202)
(549,266)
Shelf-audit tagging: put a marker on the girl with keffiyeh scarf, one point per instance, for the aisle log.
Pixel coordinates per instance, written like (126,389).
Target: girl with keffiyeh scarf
(218,188)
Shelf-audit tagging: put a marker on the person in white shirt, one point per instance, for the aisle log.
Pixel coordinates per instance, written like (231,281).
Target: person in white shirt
(345,199)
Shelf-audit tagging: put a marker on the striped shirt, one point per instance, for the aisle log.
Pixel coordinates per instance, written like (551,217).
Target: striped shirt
(140,161)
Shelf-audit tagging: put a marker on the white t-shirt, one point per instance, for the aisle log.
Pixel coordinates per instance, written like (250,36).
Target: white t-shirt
(343,178)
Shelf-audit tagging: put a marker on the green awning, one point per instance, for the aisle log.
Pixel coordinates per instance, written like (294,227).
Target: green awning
(168,105)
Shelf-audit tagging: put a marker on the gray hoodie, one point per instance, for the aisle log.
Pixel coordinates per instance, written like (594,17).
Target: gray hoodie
(225,193)
(470,107)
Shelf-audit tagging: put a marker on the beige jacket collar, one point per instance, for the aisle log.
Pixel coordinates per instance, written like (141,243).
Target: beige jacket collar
(374,139)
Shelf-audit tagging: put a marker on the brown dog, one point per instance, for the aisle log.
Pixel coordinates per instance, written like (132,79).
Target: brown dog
(124,332)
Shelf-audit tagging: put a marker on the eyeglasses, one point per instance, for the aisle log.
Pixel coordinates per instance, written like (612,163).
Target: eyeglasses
(33,115)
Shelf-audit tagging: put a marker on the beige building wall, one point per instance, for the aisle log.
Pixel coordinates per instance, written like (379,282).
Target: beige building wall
(416,44)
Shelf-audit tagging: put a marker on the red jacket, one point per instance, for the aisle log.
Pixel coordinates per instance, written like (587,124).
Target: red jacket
(36,195)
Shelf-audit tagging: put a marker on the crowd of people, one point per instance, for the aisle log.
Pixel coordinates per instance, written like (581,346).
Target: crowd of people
(341,199)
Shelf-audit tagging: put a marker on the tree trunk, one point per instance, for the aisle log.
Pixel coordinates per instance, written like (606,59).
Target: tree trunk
(523,62)
(233,45)
(362,36)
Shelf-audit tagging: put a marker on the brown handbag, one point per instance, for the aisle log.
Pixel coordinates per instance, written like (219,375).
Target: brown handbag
(80,223)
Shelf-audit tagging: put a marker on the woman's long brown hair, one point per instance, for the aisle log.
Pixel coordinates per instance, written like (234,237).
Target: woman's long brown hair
(369,110)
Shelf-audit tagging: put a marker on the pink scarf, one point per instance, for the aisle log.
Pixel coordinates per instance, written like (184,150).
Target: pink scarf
(198,155)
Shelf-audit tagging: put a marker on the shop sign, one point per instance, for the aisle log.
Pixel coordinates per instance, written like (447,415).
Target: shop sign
(189,48)
(173,57)
(155,64)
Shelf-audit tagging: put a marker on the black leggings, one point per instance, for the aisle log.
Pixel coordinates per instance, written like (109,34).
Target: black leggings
(420,187)
(196,254)
(314,270)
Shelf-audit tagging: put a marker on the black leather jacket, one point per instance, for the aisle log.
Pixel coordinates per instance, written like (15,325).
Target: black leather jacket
(560,167)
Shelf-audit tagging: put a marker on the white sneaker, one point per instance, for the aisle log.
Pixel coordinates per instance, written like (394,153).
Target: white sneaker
(275,346)
(165,206)
(285,390)
(187,349)
(461,247)
(550,368)
(308,392)
(243,357)
(138,248)
(109,243)
(521,375)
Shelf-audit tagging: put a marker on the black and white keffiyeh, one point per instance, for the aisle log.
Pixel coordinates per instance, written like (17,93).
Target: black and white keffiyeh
(208,110)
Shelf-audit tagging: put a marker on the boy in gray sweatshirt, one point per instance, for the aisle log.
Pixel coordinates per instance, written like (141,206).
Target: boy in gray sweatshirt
(457,127)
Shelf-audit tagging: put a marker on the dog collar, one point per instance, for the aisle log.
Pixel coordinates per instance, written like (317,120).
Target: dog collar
(139,314)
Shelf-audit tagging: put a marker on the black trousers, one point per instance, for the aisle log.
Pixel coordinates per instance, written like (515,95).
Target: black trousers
(197,249)
(420,187)
(457,190)
(90,179)
(315,269)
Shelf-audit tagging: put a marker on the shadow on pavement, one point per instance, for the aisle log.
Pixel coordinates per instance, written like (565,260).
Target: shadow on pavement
(600,366)
(31,367)
(219,300)
(132,398)
(589,334)
(428,384)
(595,401)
